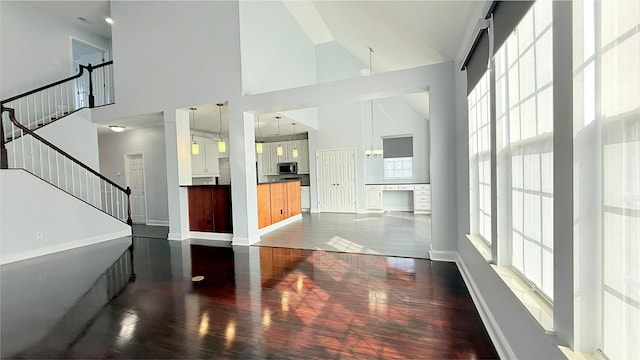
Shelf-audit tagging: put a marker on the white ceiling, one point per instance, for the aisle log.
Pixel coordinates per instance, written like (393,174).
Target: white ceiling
(93,12)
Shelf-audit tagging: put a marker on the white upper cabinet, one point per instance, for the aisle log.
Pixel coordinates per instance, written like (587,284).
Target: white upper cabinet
(269,158)
(205,164)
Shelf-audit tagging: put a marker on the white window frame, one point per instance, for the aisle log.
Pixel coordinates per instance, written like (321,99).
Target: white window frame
(527,146)
(400,164)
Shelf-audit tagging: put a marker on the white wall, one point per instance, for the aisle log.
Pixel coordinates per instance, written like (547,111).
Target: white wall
(336,63)
(340,128)
(73,134)
(276,52)
(29,205)
(36,48)
(151,144)
(173,54)
(76,135)
(392,117)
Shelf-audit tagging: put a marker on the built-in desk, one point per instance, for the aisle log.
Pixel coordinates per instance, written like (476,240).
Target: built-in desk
(421,196)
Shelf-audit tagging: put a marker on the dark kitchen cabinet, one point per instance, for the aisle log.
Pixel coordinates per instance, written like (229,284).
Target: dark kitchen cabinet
(210,208)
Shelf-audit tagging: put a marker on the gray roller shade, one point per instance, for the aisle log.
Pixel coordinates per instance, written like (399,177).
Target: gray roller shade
(477,63)
(397,147)
(506,16)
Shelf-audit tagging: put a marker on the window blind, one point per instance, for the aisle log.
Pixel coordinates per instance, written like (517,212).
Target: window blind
(397,147)
(506,15)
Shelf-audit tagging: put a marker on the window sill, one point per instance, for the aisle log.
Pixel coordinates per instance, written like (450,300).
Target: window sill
(572,355)
(538,306)
(481,245)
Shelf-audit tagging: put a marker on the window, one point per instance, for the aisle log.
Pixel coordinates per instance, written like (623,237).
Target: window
(524,120)
(607,158)
(480,159)
(398,157)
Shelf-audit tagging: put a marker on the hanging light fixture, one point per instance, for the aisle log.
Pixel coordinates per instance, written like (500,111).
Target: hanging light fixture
(195,147)
(295,143)
(259,143)
(373,152)
(221,145)
(279,149)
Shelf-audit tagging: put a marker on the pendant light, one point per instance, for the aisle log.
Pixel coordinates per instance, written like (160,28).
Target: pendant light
(259,143)
(373,152)
(279,149)
(195,147)
(221,145)
(295,143)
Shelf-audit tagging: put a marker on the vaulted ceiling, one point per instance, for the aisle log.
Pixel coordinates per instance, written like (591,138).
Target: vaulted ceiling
(404,34)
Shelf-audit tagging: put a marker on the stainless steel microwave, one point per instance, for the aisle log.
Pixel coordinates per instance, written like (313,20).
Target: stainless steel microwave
(288,168)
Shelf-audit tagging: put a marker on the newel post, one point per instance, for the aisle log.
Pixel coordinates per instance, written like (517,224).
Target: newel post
(128,192)
(92,101)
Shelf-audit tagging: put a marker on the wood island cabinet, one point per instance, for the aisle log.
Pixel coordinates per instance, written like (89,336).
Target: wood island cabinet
(264,205)
(277,201)
(294,207)
(210,208)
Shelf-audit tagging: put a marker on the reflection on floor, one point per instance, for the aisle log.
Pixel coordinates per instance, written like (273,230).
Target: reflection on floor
(254,303)
(394,234)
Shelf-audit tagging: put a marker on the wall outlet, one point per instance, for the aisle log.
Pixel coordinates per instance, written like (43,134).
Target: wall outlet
(39,235)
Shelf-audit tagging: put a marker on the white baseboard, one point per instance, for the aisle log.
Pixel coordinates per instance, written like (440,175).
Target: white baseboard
(443,255)
(210,236)
(177,236)
(375,211)
(406,209)
(279,224)
(245,241)
(495,333)
(314,211)
(157,223)
(47,250)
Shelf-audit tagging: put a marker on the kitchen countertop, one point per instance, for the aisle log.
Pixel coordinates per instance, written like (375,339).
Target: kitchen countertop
(210,185)
(398,183)
(277,181)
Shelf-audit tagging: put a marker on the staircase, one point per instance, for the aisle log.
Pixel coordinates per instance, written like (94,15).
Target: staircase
(22,148)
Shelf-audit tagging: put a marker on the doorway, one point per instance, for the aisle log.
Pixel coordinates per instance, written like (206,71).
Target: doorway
(134,177)
(84,53)
(337,180)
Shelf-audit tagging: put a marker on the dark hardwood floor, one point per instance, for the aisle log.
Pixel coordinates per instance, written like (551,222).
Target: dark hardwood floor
(264,302)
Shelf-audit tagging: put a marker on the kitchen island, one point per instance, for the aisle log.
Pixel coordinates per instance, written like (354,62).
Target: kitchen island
(210,208)
(277,202)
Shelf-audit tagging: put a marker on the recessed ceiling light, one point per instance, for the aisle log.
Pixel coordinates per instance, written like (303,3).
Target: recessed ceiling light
(109,20)
(116,128)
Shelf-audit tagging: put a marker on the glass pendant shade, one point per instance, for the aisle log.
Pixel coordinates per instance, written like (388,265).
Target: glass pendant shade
(222,147)
(195,148)
(259,148)
(279,150)
(295,152)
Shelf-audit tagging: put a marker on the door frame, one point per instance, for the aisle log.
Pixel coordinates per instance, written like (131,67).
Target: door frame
(127,178)
(355,179)
(72,39)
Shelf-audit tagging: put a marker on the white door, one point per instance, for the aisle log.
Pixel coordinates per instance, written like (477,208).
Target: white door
(336,180)
(83,54)
(135,180)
